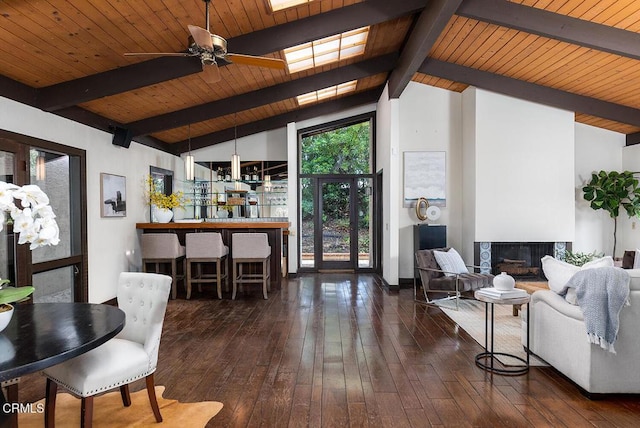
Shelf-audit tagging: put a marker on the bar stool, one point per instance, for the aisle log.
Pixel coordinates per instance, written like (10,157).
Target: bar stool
(251,249)
(206,248)
(161,249)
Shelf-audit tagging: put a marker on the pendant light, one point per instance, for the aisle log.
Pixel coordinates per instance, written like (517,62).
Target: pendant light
(189,162)
(41,173)
(235,158)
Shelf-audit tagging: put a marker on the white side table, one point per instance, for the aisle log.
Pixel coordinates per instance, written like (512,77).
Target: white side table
(486,360)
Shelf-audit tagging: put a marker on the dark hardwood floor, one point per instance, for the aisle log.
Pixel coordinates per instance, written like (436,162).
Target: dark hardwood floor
(339,350)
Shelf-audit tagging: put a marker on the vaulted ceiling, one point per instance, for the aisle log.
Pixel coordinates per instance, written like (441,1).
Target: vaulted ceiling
(66,57)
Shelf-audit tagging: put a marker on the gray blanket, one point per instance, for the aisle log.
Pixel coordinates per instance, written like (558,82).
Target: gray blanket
(601,294)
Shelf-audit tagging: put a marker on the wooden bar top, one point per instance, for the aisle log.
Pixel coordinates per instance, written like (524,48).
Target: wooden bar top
(218,224)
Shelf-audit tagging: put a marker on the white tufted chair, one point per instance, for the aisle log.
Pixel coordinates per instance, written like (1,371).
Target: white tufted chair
(251,249)
(206,247)
(131,355)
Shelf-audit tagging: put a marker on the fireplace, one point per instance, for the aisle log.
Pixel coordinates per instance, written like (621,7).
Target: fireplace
(519,259)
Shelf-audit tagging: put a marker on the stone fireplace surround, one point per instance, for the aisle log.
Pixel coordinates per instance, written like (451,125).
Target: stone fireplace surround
(524,257)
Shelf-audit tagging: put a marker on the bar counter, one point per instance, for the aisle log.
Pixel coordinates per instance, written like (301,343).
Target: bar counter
(276,229)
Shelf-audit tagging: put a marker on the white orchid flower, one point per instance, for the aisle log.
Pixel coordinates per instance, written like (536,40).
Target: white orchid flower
(31,195)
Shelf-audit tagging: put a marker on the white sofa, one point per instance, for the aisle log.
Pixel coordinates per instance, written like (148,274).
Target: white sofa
(559,337)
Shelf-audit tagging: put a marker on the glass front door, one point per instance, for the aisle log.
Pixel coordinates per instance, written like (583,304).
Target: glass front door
(337,229)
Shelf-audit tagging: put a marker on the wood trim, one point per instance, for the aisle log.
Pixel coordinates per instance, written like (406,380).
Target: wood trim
(215,225)
(633,139)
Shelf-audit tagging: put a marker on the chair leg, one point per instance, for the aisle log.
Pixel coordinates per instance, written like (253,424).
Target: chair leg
(265,279)
(235,282)
(218,278)
(86,412)
(188,279)
(151,390)
(126,397)
(174,286)
(50,404)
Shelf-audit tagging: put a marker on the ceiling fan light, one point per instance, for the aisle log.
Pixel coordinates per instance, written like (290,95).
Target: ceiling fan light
(189,167)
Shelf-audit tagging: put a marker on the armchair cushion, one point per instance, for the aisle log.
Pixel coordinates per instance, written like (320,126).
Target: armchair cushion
(450,262)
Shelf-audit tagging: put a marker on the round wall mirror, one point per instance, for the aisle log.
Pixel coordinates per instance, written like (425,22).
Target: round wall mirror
(421,208)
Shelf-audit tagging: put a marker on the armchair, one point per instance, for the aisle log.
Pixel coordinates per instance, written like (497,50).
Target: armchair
(436,280)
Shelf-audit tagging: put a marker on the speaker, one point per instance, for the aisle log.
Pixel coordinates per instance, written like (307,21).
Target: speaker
(122,137)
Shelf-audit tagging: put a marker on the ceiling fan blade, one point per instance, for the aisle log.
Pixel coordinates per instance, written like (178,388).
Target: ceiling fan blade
(158,53)
(202,37)
(211,73)
(259,61)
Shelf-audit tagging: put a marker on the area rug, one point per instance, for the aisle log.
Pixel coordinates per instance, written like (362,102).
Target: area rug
(108,411)
(507,328)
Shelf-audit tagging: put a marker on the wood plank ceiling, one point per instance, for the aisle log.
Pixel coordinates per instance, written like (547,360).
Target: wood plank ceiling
(66,57)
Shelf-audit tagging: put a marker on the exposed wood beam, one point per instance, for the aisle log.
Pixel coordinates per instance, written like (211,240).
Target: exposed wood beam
(72,92)
(633,139)
(336,21)
(531,91)
(17,91)
(553,25)
(430,24)
(261,42)
(361,98)
(88,118)
(264,96)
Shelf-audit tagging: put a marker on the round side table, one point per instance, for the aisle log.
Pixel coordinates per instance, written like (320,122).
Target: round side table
(486,360)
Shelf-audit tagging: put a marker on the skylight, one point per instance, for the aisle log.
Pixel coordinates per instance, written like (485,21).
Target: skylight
(331,91)
(327,50)
(283,4)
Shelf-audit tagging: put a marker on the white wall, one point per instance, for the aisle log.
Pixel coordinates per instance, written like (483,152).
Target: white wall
(524,172)
(430,120)
(596,149)
(629,229)
(264,146)
(108,238)
(388,160)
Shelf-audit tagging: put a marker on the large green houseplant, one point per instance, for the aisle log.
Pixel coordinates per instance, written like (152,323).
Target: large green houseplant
(611,190)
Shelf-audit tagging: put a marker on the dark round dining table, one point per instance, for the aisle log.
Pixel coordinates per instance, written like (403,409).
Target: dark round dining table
(41,335)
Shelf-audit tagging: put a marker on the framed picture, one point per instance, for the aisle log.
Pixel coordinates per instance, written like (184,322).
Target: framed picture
(425,177)
(113,195)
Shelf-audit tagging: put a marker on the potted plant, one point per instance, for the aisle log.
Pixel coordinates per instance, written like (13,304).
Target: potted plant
(611,190)
(161,203)
(34,222)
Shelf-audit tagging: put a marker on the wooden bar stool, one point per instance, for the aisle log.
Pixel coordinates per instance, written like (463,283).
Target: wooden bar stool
(161,249)
(206,247)
(251,249)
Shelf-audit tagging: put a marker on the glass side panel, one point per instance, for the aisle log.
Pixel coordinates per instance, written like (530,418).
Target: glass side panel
(51,172)
(7,253)
(336,231)
(340,151)
(54,286)
(306,224)
(365,226)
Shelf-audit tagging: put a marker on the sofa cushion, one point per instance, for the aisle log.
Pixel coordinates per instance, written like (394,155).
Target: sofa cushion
(466,282)
(450,262)
(559,272)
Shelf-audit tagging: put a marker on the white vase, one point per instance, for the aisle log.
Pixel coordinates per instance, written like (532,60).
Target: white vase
(504,281)
(5,317)
(161,215)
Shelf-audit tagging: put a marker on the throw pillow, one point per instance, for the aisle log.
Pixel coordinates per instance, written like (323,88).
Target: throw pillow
(628,259)
(450,262)
(559,272)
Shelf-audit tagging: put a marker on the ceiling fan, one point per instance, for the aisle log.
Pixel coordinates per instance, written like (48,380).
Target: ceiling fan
(210,48)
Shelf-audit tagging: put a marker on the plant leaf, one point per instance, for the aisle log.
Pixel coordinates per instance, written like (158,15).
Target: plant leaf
(15,294)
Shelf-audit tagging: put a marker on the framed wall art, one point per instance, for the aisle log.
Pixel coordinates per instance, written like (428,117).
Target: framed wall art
(113,195)
(425,177)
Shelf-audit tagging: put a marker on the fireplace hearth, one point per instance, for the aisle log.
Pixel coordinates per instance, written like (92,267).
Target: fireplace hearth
(519,259)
